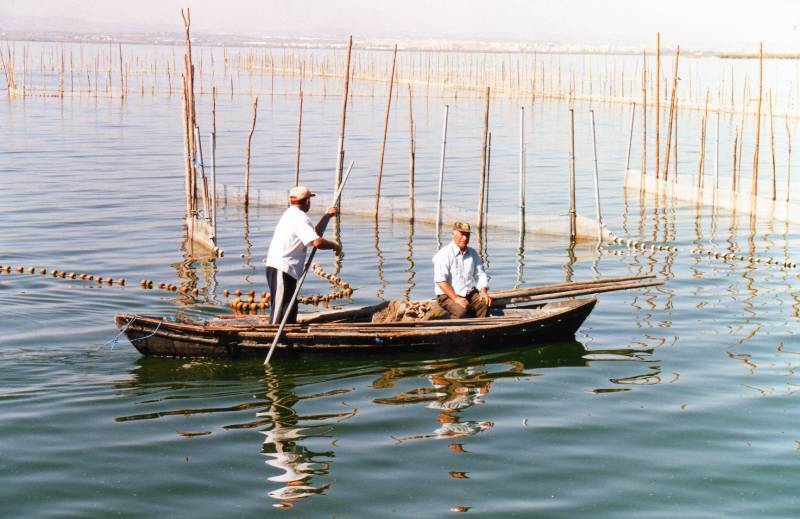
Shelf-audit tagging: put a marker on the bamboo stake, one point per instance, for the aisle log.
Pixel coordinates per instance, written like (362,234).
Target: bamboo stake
(754,186)
(484,155)
(214,159)
(701,169)
(411,153)
(644,113)
(522,180)
(247,156)
(340,155)
(572,213)
(385,131)
(716,158)
(596,182)
(772,144)
(630,140)
(658,102)
(671,112)
(299,132)
(789,162)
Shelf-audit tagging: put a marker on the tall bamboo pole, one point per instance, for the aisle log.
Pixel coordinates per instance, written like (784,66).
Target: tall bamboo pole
(247,155)
(522,179)
(385,131)
(571,187)
(411,154)
(758,120)
(644,112)
(340,154)
(299,132)
(484,157)
(658,102)
(630,140)
(772,144)
(441,176)
(671,112)
(596,182)
(789,161)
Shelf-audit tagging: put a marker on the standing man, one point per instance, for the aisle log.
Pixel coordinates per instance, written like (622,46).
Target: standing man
(287,251)
(462,286)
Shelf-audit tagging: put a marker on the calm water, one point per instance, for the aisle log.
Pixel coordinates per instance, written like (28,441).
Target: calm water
(672,401)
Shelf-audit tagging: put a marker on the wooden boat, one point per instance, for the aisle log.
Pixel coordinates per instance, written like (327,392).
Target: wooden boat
(352,330)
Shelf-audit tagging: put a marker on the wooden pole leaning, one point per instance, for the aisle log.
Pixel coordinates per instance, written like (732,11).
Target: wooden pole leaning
(310,260)
(754,186)
(596,183)
(630,141)
(385,131)
(484,152)
(441,178)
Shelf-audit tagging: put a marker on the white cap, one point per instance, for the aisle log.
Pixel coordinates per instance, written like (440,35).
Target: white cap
(300,193)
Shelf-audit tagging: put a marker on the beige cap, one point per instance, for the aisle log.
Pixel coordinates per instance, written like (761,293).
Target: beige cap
(461,227)
(300,193)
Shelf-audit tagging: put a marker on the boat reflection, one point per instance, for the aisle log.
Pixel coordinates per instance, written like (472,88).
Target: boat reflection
(297,409)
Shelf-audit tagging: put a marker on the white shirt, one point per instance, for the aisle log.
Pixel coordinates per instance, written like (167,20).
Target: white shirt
(287,250)
(462,270)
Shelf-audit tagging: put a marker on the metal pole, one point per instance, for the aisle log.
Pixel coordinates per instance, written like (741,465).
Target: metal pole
(305,270)
(441,176)
(596,182)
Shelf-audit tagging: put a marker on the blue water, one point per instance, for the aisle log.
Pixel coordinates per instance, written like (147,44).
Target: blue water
(671,401)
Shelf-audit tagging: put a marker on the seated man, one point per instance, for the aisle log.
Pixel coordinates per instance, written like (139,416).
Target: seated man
(462,286)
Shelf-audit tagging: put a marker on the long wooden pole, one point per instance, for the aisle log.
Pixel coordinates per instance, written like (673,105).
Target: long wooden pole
(322,225)
(644,112)
(671,112)
(522,179)
(772,144)
(596,182)
(386,130)
(299,132)
(571,210)
(658,102)
(630,140)
(441,176)
(484,155)
(340,154)
(411,154)
(758,120)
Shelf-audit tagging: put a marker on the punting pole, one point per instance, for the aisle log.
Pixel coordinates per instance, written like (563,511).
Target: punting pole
(441,177)
(596,182)
(300,281)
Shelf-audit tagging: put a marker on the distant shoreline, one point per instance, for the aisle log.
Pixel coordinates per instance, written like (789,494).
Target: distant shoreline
(384,45)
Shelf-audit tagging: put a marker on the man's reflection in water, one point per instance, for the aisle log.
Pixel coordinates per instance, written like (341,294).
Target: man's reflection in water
(282,446)
(454,390)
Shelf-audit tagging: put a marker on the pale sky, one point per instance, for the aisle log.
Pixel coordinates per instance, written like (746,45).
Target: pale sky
(694,24)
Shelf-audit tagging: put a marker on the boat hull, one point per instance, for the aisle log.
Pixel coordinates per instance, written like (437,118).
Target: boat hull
(248,336)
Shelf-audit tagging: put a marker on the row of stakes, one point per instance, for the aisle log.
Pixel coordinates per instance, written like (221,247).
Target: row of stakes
(644,246)
(238,303)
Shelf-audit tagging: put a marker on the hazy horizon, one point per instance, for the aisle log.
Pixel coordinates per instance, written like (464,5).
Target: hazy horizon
(712,25)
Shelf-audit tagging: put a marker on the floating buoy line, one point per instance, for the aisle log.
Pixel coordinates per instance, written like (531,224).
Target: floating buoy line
(643,246)
(242,302)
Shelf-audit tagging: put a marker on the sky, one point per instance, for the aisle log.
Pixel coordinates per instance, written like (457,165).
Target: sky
(694,24)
